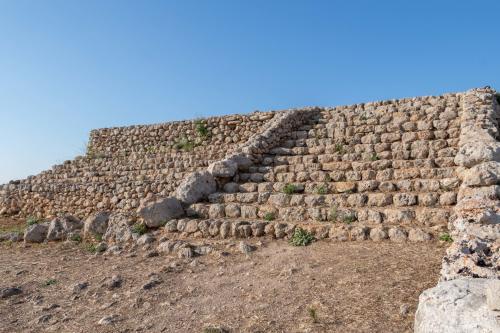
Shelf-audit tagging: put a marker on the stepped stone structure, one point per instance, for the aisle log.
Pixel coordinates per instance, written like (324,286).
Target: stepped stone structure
(413,169)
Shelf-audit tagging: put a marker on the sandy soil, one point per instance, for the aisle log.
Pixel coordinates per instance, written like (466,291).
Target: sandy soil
(325,287)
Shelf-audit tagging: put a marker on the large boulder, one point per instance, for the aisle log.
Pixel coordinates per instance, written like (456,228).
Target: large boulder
(476,152)
(158,213)
(96,224)
(484,174)
(119,228)
(457,306)
(195,187)
(224,168)
(36,233)
(61,227)
(470,256)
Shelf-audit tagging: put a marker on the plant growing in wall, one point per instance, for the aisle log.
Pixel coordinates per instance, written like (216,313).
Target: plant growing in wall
(289,189)
(349,218)
(202,129)
(339,148)
(31,220)
(301,237)
(269,217)
(445,237)
(184,144)
(322,190)
(139,228)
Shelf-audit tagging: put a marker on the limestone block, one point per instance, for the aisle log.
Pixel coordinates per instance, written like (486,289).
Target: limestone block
(157,213)
(484,174)
(457,306)
(195,187)
(96,224)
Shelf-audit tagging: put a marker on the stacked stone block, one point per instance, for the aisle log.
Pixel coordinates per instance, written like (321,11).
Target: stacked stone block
(380,164)
(125,166)
(467,299)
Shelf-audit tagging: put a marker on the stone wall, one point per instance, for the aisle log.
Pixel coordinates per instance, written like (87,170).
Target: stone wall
(223,134)
(467,299)
(380,164)
(127,165)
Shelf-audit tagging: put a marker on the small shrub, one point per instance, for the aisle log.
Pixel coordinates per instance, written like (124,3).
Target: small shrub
(269,217)
(374,157)
(139,228)
(363,117)
(301,237)
(201,129)
(184,144)
(98,237)
(339,148)
(31,220)
(446,238)
(76,238)
(323,189)
(91,247)
(333,214)
(312,314)
(289,189)
(50,282)
(328,178)
(349,218)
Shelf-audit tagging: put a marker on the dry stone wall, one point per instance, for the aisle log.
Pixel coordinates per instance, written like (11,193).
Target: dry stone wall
(125,166)
(467,299)
(373,165)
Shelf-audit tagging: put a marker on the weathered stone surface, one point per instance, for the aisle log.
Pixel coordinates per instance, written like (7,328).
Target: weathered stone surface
(476,152)
(457,306)
(158,213)
(191,227)
(246,248)
(119,228)
(397,234)
(469,256)
(195,187)
(61,227)
(36,233)
(418,235)
(96,224)
(492,291)
(378,234)
(225,168)
(484,174)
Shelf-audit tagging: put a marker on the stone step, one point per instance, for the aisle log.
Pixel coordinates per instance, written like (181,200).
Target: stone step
(329,186)
(314,174)
(237,228)
(354,200)
(377,216)
(415,149)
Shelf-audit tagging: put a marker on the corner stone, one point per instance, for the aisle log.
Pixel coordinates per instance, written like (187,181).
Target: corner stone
(457,306)
(161,211)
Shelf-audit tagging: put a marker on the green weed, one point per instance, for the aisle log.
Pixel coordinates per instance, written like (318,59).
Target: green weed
(446,238)
(139,228)
(269,217)
(289,189)
(301,237)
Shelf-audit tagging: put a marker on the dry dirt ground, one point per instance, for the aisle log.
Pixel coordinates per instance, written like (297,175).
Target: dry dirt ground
(325,287)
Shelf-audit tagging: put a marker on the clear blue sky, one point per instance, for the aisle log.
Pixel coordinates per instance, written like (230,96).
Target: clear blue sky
(69,66)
